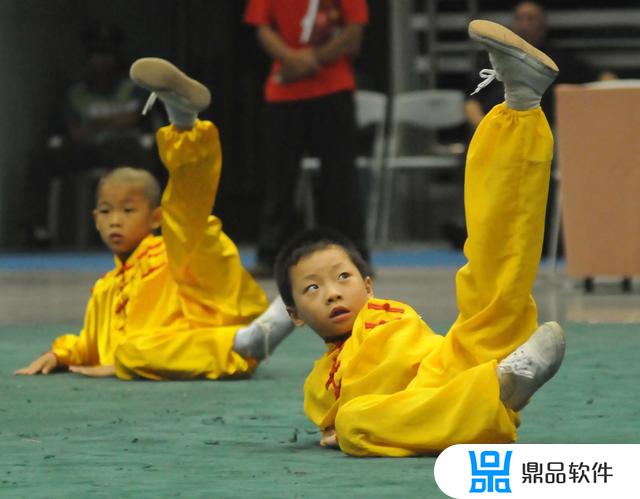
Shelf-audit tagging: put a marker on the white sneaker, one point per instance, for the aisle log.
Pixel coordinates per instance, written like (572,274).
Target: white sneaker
(525,71)
(260,338)
(531,365)
(171,85)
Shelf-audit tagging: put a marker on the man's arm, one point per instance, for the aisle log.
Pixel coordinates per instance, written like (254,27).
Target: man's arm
(346,42)
(474,112)
(304,62)
(296,64)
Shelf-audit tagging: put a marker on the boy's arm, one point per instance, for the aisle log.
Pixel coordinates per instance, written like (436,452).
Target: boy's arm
(69,349)
(44,364)
(73,349)
(82,349)
(94,371)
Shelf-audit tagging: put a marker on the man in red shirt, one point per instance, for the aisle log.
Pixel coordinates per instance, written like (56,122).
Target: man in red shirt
(309,109)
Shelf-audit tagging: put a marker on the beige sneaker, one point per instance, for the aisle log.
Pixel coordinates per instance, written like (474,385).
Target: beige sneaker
(171,85)
(525,71)
(531,365)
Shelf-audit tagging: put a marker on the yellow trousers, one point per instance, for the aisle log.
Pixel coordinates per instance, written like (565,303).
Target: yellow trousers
(454,397)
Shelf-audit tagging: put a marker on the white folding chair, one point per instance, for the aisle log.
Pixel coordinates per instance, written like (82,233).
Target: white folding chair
(428,111)
(371,110)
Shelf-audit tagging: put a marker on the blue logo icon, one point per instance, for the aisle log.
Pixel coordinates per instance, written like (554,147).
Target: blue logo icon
(489,475)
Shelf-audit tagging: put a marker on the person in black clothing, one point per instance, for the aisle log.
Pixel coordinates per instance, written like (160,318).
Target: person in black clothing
(99,125)
(530,23)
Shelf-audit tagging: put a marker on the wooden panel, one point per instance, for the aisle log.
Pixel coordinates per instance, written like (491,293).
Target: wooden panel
(598,144)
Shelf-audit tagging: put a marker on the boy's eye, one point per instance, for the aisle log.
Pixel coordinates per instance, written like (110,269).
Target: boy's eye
(103,211)
(129,210)
(310,287)
(344,275)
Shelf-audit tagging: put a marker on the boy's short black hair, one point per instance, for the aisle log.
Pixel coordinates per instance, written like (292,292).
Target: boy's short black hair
(305,243)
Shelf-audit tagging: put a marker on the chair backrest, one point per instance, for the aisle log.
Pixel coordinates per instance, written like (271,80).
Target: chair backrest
(430,110)
(371,109)
(433,109)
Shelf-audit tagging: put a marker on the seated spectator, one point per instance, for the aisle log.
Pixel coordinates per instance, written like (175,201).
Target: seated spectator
(530,23)
(101,124)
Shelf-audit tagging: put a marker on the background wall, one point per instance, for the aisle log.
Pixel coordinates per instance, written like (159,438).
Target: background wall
(41,53)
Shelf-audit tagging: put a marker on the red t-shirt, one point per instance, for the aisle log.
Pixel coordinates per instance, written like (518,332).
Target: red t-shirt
(300,25)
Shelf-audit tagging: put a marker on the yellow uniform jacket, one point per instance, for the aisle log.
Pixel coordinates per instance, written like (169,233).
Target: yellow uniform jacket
(382,356)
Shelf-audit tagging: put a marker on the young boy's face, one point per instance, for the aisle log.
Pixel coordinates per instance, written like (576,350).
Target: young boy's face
(328,292)
(124,216)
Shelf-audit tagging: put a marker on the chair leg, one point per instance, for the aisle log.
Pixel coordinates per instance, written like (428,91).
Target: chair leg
(85,194)
(589,284)
(53,215)
(305,201)
(555,230)
(385,211)
(373,210)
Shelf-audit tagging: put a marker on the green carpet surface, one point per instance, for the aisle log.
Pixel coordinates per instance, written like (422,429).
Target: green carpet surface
(65,435)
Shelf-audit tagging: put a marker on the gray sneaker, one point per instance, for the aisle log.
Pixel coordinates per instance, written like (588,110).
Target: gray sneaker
(531,365)
(170,84)
(525,71)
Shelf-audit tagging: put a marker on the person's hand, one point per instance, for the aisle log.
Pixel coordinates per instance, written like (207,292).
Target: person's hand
(44,364)
(299,64)
(329,438)
(94,371)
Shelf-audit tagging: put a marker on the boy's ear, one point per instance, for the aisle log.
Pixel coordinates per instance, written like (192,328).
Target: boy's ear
(368,285)
(94,213)
(156,217)
(293,313)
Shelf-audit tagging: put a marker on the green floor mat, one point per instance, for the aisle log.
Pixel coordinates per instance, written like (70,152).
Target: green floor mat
(65,435)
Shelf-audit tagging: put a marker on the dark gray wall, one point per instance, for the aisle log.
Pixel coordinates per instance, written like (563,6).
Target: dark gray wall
(40,53)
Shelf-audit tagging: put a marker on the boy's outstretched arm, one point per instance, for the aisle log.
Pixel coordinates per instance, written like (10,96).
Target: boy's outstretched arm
(47,363)
(94,371)
(74,349)
(44,364)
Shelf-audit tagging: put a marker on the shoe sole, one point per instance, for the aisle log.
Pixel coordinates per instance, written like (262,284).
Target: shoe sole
(503,39)
(158,75)
(560,342)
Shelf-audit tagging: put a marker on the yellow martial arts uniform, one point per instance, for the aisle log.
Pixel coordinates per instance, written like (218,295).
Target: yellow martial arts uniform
(172,309)
(455,395)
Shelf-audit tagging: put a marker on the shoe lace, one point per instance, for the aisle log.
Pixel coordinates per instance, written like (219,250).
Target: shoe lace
(150,102)
(520,363)
(487,75)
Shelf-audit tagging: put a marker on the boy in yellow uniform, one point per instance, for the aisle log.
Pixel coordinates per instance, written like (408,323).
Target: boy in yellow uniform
(180,305)
(388,385)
